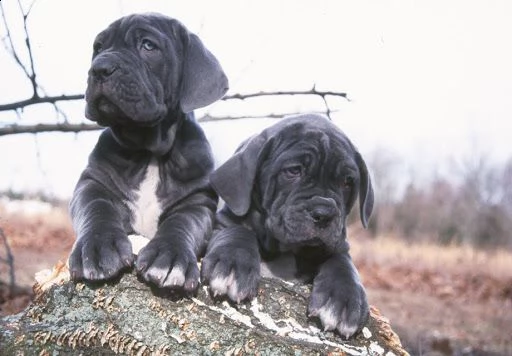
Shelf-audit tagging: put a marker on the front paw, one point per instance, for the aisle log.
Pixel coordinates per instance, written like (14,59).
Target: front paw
(100,256)
(168,265)
(340,304)
(232,271)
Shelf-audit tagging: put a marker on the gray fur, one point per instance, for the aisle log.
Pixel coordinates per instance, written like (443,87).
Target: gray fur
(148,173)
(288,190)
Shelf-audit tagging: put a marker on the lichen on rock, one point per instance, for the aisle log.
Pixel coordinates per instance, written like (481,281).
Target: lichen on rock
(128,317)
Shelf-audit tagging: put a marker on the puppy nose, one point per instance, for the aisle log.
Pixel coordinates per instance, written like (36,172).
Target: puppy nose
(323,212)
(102,69)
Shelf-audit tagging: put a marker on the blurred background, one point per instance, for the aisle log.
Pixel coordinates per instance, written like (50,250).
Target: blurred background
(421,88)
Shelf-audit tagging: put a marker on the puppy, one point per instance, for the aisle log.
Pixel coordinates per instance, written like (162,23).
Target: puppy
(289,190)
(148,173)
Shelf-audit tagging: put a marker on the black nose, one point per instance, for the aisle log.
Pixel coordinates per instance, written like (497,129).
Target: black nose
(323,212)
(102,68)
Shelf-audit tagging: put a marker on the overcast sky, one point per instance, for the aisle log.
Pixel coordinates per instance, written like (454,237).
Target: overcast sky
(430,81)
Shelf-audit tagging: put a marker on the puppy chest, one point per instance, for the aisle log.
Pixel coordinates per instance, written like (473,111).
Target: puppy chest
(145,207)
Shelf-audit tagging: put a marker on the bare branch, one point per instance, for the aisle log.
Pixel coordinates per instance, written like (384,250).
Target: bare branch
(39,100)
(67,127)
(32,75)
(210,118)
(39,128)
(328,110)
(312,91)
(11,47)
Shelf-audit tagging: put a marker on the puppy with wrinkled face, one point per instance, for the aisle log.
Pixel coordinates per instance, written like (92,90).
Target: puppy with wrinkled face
(289,190)
(148,173)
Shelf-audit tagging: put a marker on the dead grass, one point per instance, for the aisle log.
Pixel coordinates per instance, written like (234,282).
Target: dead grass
(391,251)
(37,230)
(447,299)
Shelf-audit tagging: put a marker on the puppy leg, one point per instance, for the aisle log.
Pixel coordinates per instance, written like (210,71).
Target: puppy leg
(102,248)
(338,298)
(231,265)
(169,260)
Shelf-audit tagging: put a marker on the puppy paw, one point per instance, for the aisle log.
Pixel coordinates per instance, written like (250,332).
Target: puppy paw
(340,304)
(232,271)
(168,265)
(100,256)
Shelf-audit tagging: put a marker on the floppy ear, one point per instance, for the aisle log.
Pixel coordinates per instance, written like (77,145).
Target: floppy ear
(365,191)
(233,181)
(203,81)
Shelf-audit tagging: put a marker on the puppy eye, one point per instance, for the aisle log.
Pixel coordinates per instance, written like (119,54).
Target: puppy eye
(148,45)
(348,182)
(292,172)
(97,47)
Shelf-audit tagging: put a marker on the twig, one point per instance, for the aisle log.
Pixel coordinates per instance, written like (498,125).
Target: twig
(39,128)
(11,47)
(53,99)
(39,100)
(32,76)
(210,118)
(67,127)
(312,91)
(9,260)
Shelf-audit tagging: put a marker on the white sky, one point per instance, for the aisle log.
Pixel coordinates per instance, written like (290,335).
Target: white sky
(430,81)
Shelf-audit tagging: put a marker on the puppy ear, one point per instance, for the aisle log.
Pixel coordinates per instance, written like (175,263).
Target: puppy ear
(203,81)
(365,191)
(234,180)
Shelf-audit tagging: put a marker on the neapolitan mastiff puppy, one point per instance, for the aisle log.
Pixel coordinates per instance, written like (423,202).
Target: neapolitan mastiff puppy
(289,190)
(148,173)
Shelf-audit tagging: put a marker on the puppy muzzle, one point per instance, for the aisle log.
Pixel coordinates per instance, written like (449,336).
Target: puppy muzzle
(315,222)
(121,91)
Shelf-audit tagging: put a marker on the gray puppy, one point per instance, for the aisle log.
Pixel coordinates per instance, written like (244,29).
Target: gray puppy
(148,173)
(289,190)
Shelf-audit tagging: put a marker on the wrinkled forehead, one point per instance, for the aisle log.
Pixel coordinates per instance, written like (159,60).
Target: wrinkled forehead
(139,24)
(309,143)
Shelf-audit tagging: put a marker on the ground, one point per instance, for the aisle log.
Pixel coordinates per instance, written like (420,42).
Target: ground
(445,300)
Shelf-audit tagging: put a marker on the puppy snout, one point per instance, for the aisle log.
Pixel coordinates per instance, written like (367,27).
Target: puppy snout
(102,68)
(323,211)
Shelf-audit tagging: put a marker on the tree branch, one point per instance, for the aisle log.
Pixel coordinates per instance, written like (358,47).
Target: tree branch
(32,75)
(312,91)
(11,47)
(39,128)
(128,317)
(211,118)
(39,100)
(67,127)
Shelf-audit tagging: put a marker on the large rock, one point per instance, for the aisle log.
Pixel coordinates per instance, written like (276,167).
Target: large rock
(128,317)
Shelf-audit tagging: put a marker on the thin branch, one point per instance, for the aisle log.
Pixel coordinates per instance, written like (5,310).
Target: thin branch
(9,260)
(312,91)
(53,99)
(210,118)
(39,100)
(67,127)
(32,76)
(11,47)
(39,128)
(328,109)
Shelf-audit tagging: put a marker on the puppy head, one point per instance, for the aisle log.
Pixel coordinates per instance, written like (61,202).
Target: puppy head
(146,65)
(304,175)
